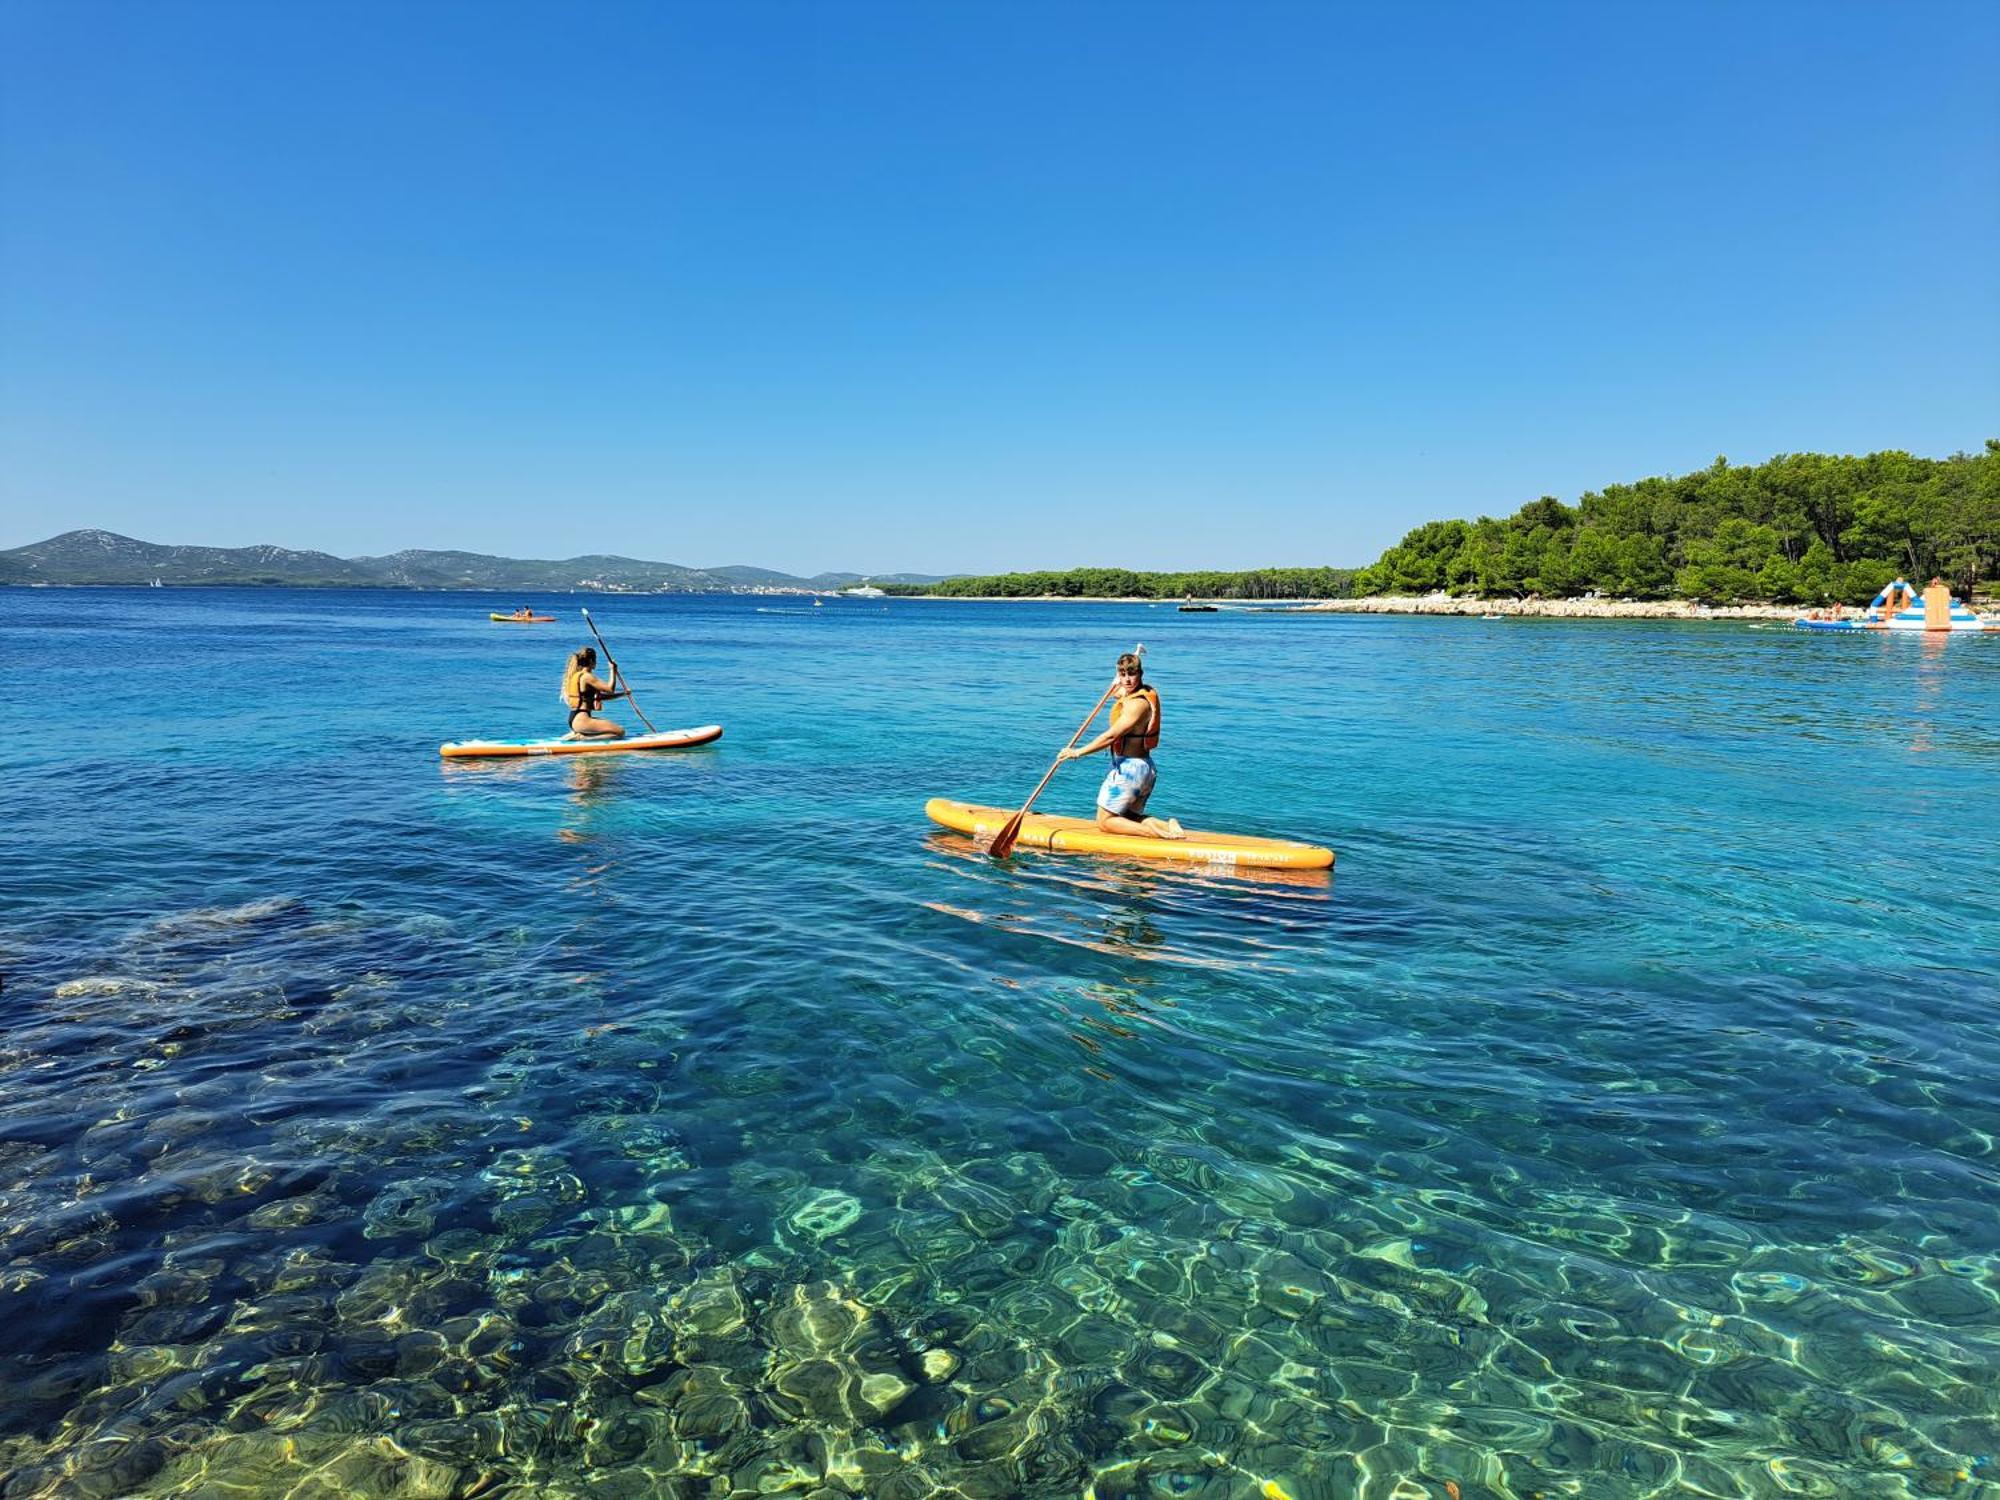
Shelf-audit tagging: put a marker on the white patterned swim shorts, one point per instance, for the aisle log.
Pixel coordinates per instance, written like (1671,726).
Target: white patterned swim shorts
(1127,785)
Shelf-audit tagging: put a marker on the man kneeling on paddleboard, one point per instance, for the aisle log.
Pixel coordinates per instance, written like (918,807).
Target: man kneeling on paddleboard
(583,692)
(1131,739)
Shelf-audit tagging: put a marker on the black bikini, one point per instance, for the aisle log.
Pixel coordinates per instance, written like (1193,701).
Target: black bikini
(586,703)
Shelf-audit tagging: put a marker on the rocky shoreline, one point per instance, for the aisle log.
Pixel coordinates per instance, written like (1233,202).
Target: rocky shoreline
(1445,604)
(1559,609)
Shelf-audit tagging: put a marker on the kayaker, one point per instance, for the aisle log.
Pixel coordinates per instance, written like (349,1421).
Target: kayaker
(582,694)
(1132,737)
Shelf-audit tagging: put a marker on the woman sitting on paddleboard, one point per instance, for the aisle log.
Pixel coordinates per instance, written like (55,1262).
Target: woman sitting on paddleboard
(583,692)
(1131,739)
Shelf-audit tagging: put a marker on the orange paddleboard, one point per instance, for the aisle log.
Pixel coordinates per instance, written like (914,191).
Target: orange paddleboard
(1082,836)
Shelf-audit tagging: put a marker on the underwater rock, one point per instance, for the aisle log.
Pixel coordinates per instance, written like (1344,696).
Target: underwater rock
(181,1325)
(1953,1301)
(463,1441)
(529,1169)
(213,1179)
(982,1211)
(295,1213)
(880,1393)
(565,1298)
(621,1433)
(176,1286)
(294,1273)
(711,1306)
(146,1362)
(464,1248)
(837,1392)
(793,1462)
(406,1208)
(102,986)
(1096,1343)
(419,1352)
(209,921)
(705,1404)
(1023,1177)
(1003,1438)
(382,1291)
(824,1213)
(427,1479)
(629,1333)
(1187,1477)
(809,1320)
(1170,1373)
(516,1217)
(813,1390)
(105,1467)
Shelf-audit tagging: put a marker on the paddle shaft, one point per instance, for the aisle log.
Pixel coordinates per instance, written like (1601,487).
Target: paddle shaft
(1003,841)
(616,675)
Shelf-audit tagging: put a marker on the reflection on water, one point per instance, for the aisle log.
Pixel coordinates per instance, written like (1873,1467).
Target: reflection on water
(1151,912)
(1931,682)
(591,778)
(1108,1014)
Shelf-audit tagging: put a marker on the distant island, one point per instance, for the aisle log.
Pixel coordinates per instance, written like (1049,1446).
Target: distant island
(104,557)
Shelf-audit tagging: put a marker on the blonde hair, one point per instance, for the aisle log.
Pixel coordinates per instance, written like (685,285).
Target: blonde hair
(580,661)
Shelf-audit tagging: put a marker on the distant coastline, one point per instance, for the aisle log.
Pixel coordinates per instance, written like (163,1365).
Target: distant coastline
(1381,604)
(95,558)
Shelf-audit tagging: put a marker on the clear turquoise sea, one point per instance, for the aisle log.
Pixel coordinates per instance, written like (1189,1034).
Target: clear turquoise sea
(1619,1119)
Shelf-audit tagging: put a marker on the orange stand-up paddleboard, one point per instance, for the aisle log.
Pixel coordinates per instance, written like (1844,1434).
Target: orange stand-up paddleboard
(1082,836)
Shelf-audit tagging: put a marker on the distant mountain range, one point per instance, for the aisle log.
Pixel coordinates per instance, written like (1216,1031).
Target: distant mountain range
(104,557)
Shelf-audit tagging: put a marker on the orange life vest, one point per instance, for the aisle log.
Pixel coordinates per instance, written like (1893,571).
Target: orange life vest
(1148,739)
(574,694)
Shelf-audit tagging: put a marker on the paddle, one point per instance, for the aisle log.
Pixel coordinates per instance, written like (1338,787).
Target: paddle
(616,674)
(1003,841)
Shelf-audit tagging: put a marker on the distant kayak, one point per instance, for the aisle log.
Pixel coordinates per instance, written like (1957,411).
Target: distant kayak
(524,619)
(672,739)
(1082,836)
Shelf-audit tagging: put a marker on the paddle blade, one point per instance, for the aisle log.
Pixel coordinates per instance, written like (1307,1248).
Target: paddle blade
(1003,841)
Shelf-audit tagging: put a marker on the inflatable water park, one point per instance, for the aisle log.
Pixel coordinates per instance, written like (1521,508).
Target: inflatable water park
(1899,607)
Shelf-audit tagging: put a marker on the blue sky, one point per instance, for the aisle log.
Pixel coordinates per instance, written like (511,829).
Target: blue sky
(969,286)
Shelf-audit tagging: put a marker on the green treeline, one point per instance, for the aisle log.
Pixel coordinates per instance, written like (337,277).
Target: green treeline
(1804,528)
(1123,583)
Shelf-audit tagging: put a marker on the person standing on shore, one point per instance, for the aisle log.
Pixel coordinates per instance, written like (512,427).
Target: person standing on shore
(583,693)
(1133,736)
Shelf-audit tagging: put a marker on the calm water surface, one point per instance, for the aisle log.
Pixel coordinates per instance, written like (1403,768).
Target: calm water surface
(1618,1120)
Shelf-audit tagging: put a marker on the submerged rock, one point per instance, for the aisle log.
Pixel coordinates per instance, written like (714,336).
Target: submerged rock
(406,1208)
(824,1213)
